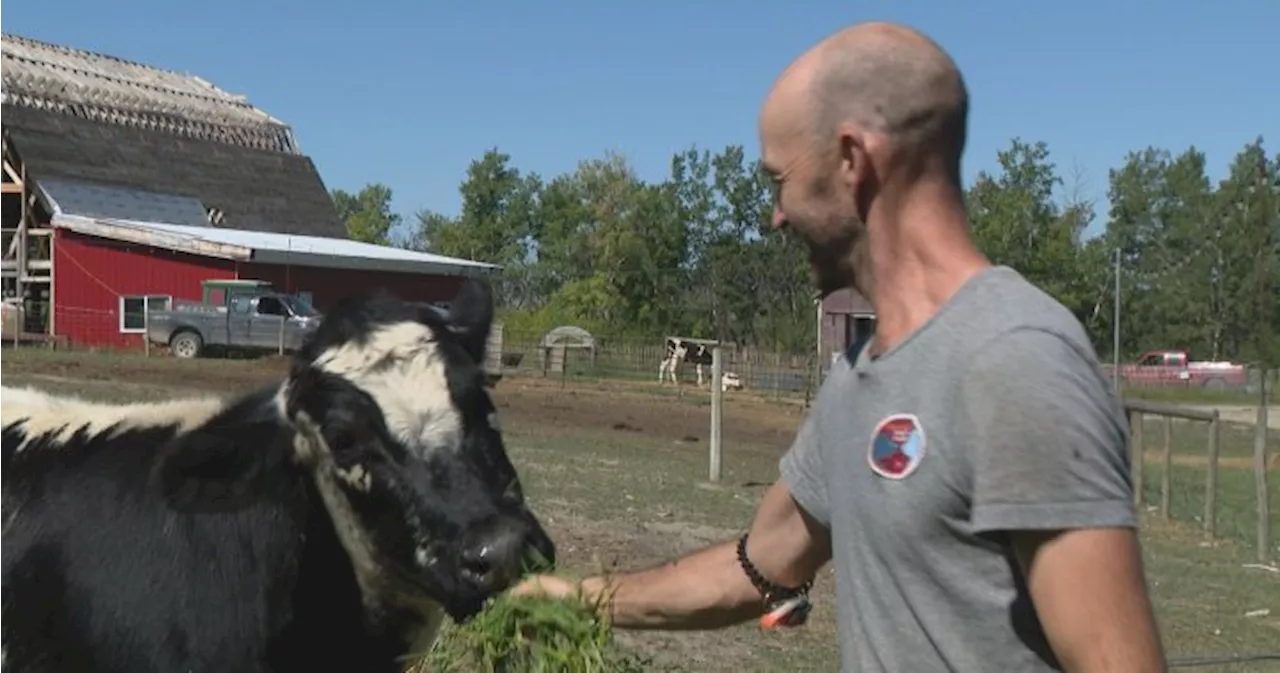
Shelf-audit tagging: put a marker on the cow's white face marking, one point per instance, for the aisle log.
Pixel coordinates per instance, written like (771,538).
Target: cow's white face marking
(59,418)
(401,368)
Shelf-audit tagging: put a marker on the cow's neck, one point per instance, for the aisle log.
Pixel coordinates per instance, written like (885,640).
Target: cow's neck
(392,608)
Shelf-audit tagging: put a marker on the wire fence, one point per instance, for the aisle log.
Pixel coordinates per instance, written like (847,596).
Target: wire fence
(771,374)
(603,358)
(1190,465)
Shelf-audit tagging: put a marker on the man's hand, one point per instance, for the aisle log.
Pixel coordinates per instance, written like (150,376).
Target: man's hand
(1088,590)
(708,588)
(545,585)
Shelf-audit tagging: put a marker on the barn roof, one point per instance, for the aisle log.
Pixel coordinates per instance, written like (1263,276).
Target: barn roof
(79,115)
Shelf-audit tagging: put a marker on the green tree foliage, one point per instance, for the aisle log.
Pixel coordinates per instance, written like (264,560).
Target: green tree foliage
(367,213)
(694,253)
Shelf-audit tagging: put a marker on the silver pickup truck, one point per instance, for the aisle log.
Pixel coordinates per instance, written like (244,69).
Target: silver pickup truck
(257,322)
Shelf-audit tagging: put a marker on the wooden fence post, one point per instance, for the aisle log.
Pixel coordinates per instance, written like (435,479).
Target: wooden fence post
(1137,455)
(1211,479)
(1166,479)
(1136,410)
(1260,475)
(717,411)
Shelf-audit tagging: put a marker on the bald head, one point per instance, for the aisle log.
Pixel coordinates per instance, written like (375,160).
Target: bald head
(884,79)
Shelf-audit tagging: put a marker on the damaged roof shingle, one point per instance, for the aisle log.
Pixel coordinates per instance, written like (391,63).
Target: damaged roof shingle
(91,118)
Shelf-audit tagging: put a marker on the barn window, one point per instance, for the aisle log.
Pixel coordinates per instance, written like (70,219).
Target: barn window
(134,310)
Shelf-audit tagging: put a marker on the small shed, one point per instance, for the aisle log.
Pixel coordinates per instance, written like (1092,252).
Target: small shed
(556,343)
(847,318)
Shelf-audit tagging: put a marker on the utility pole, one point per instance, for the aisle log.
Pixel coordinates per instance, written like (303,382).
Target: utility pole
(1265,347)
(1115,330)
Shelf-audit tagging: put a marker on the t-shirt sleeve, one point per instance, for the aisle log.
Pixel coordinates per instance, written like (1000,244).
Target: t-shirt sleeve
(1050,438)
(801,468)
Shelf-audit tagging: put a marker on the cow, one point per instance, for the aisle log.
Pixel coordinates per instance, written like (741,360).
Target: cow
(331,522)
(730,381)
(680,351)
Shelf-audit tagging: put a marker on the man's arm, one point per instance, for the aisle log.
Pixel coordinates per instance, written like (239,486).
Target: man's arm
(1114,629)
(1051,471)
(708,589)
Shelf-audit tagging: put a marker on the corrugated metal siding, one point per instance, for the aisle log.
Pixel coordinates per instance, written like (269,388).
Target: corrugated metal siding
(328,286)
(90,274)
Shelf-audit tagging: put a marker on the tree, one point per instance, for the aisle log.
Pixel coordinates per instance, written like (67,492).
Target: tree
(1017,223)
(497,224)
(367,214)
(694,252)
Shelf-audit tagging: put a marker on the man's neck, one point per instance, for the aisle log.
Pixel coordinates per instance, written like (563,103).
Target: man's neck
(921,255)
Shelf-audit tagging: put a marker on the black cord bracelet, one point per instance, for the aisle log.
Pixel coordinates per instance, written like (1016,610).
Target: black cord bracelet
(771,593)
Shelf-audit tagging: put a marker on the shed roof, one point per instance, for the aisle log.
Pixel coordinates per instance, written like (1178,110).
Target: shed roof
(178,223)
(273,248)
(847,301)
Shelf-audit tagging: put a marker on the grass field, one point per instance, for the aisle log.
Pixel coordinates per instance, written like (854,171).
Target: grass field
(618,472)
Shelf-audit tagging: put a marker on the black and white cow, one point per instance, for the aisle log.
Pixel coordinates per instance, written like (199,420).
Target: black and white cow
(680,351)
(328,523)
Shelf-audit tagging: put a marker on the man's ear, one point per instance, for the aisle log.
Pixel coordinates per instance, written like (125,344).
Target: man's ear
(471,316)
(222,467)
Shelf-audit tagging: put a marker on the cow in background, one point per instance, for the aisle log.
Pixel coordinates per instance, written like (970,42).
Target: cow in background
(679,352)
(328,523)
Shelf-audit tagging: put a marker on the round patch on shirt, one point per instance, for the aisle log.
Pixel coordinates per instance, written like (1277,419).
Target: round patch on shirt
(897,446)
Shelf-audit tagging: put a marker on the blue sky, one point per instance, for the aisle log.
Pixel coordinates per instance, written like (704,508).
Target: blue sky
(408,93)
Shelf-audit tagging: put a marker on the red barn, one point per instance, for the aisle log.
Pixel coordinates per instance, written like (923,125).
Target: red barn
(125,186)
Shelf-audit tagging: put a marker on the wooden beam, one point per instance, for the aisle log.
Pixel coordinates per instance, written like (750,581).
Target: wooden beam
(1169,410)
(18,246)
(11,188)
(53,287)
(32,265)
(9,171)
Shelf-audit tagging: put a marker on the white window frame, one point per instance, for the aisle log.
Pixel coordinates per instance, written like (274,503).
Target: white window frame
(146,308)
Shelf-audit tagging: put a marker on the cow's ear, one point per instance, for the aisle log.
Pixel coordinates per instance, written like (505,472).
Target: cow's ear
(471,315)
(222,467)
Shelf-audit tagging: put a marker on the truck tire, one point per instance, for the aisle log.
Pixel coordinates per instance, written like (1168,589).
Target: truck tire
(1215,383)
(186,345)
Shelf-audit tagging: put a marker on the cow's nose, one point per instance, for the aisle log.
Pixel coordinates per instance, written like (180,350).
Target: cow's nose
(491,557)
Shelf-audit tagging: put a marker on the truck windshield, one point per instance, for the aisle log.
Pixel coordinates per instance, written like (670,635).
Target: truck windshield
(300,306)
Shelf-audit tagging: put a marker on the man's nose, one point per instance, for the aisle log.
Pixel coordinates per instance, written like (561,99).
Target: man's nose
(779,219)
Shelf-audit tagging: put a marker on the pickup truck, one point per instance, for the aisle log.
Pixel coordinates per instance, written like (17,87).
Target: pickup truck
(267,321)
(1175,367)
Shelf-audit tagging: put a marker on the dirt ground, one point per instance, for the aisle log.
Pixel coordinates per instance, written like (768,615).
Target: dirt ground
(618,472)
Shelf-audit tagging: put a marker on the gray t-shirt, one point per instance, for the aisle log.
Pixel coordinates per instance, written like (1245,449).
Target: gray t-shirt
(993,416)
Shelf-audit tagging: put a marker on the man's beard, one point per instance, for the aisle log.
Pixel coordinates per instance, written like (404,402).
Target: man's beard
(840,264)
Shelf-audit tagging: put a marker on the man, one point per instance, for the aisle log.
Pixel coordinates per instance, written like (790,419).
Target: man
(966,472)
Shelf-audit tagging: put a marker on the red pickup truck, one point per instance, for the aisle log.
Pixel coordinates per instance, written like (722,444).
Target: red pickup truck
(1172,367)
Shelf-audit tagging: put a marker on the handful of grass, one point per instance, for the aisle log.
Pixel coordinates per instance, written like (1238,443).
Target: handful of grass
(529,634)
